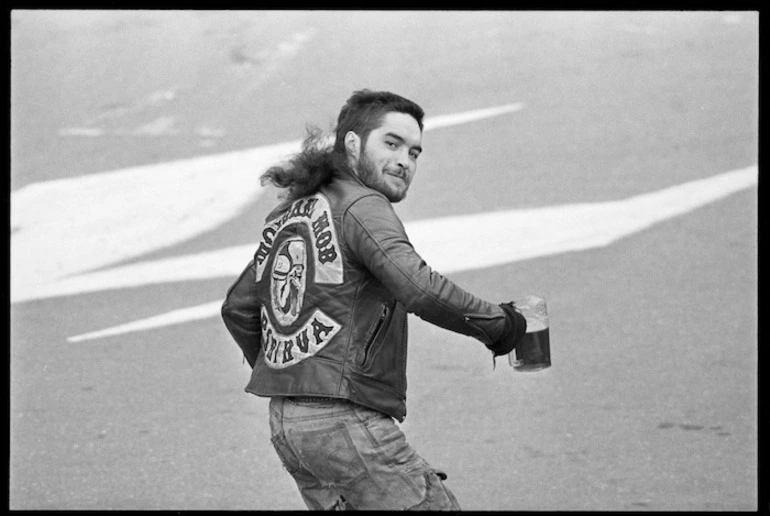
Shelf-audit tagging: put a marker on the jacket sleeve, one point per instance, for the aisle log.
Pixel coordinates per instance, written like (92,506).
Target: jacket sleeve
(241,314)
(376,237)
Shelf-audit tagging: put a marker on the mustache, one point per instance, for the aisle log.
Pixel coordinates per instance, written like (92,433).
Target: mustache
(401,174)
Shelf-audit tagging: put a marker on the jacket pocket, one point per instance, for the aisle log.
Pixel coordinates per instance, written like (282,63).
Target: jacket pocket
(377,329)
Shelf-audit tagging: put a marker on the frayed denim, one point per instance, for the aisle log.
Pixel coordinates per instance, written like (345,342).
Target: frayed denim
(345,456)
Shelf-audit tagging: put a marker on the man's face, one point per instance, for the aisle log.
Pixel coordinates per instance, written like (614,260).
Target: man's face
(388,160)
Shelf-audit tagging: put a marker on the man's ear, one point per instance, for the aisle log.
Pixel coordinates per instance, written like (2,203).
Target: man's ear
(353,145)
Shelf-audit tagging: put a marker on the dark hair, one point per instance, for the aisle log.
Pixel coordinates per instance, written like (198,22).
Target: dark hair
(364,110)
(306,171)
(316,163)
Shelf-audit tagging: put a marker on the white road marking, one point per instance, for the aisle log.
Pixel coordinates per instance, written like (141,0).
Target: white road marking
(66,227)
(162,126)
(490,239)
(470,116)
(183,315)
(115,113)
(82,131)
(496,238)
(69,226)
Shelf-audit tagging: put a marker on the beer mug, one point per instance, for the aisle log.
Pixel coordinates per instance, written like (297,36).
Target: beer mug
(533,353)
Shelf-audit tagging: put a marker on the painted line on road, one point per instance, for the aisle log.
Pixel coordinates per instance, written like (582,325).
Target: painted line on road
(67,227)
(490,239)
(182,315)
(471,116)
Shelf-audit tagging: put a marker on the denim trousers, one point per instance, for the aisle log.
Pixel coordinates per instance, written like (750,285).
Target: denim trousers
(344,456)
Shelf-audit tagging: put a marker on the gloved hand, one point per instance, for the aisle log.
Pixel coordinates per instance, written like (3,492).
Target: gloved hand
(515,327)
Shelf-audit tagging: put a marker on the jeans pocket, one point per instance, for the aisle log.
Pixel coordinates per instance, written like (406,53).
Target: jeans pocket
(330,454)
(390,442)
(287,456)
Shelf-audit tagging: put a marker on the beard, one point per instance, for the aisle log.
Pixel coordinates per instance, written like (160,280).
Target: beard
(391,187)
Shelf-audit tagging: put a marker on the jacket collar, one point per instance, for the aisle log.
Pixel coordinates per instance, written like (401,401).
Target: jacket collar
(347,173)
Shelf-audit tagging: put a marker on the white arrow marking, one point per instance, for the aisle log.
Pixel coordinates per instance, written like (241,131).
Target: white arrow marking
(66,227)
(489,239)
(182,315)
(501,237)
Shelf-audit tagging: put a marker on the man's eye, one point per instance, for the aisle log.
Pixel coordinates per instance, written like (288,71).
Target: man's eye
(392,145)
(414,155)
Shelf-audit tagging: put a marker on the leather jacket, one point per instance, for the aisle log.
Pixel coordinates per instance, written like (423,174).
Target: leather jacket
(322,308)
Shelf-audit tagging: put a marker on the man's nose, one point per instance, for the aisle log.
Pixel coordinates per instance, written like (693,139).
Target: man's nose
(403,160)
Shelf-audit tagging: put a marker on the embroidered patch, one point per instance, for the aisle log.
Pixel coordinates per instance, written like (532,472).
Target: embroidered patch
(316,214)
(281,351)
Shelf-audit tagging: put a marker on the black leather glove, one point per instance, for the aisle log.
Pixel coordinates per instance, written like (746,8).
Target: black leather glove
(515,328)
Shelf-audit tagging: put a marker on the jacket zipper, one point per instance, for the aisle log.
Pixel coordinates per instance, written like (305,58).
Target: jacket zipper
(486,317)
(375,333)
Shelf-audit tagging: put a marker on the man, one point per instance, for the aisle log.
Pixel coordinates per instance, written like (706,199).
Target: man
(321,313)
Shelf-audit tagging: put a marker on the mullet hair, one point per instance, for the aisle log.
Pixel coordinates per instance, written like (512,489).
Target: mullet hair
(318,161)
(305,172)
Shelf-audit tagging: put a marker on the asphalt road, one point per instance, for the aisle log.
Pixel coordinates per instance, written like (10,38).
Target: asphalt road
(652,400)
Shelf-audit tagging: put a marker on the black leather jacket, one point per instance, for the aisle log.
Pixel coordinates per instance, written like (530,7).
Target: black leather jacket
(322,308)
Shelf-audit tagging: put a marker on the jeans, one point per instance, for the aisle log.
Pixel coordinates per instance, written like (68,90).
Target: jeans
(345,456)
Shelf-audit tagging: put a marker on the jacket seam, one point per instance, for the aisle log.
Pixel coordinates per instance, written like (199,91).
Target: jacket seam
(408,278)
(252,263)
(228,310)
